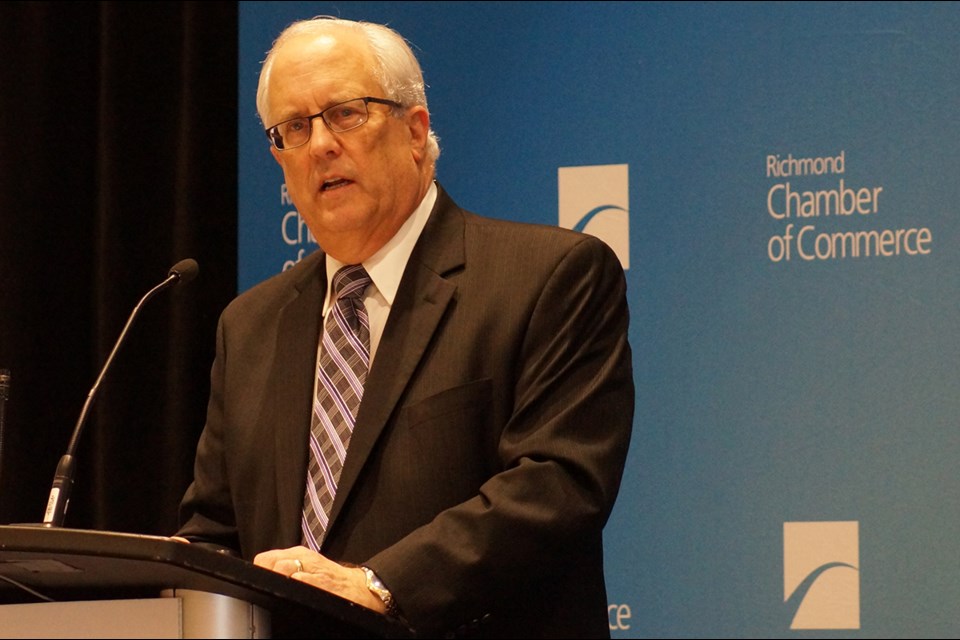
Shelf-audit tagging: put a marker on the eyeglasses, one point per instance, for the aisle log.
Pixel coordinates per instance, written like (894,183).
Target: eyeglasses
(338,118)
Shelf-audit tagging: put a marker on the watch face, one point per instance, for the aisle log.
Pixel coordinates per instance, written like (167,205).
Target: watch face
(377,587)
(374,584)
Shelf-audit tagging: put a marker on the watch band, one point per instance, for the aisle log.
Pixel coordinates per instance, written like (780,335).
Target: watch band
(376,586)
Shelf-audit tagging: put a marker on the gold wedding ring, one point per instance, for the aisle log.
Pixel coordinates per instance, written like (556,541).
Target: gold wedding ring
(299,566)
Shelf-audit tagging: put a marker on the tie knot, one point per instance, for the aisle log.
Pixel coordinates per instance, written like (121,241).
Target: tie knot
(350,281)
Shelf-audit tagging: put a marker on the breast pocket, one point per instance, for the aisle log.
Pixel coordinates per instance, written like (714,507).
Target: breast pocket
(445,445)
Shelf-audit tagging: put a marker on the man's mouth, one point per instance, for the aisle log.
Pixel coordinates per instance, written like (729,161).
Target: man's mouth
(334,184)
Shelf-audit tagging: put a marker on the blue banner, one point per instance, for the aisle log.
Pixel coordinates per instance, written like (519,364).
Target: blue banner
(780,183)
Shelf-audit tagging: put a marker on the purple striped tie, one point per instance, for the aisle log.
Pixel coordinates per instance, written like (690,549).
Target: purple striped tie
(341,374)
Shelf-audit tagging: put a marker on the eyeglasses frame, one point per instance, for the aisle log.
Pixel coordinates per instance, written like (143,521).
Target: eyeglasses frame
(310,119)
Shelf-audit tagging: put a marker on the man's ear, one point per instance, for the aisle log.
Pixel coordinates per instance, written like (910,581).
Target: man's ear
(418,123)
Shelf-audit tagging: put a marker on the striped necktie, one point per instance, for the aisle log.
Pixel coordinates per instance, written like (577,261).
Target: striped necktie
(341,374)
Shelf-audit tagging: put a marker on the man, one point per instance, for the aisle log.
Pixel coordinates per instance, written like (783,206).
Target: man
(497,393)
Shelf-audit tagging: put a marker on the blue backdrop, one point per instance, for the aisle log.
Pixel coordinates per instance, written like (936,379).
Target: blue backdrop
(781,182)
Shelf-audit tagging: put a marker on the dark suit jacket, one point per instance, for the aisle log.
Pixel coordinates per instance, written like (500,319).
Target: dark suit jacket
(490,443)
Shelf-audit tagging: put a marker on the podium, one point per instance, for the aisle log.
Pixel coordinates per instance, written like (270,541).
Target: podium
(103,584)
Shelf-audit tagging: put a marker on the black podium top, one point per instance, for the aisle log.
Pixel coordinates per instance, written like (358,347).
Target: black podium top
(73,564)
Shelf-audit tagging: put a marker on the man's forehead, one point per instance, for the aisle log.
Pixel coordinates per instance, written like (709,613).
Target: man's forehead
(312,62)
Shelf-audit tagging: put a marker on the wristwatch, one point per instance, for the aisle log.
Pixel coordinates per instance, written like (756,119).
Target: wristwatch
(375,585)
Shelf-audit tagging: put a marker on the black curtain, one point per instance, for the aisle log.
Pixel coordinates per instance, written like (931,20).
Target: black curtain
(118,155)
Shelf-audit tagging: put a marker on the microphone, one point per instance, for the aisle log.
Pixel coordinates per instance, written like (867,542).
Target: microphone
(184,271)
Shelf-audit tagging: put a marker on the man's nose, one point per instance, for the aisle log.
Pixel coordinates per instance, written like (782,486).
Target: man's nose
(322,140)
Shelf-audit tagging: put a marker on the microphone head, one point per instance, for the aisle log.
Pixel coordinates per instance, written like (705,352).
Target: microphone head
(185,270)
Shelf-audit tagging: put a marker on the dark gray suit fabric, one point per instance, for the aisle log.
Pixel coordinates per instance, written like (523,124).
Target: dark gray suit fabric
(490,443)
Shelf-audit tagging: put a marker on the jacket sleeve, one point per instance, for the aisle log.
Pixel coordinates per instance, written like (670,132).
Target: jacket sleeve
(206,511)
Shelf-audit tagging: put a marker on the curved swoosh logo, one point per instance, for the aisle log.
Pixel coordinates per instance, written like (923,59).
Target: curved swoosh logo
(796,598)
(585,220)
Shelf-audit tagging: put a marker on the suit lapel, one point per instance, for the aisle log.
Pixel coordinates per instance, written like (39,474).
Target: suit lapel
(292,390)
(421,301)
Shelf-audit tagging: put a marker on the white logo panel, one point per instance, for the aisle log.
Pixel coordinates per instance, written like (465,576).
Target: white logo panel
(821,574)
(596,200)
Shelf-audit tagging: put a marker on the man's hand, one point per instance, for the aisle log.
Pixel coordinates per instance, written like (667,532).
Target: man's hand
(300,563)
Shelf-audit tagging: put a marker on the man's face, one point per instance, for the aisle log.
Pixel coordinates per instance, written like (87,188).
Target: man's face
(356,188)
